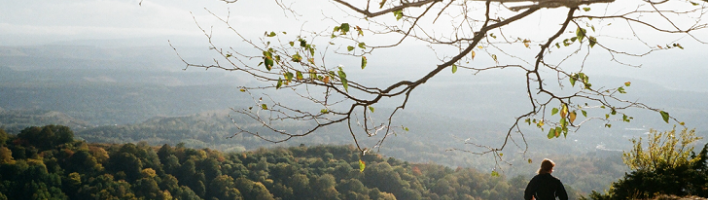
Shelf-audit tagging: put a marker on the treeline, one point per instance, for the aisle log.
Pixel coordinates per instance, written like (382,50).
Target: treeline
(46,163)
(13,121)
(582,171)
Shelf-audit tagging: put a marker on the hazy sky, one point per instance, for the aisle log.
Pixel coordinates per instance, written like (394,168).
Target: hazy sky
(46,21)
(40,22)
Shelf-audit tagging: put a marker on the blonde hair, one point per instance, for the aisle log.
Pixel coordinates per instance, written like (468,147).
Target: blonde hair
(546,166)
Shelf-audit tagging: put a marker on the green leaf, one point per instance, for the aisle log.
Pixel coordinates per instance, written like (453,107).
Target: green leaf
(580,33)
(364,61)
(264,106)
(627,83)
(495,174)
(362,165)
(551,133)
(362,45)
(288,76)
(303,43)
(665,116)
(573,78)
(297,57)
(454,68)
(398,14)
(554,111)
(501,154)
(280,83)
(494,56)
(344,28)
(292,43)
(586,9)
(271,34)
(585,113)
(324,111)
(592,40)
(371,109)
(621,90)
(382,4)
(530,161)
(350,48)
(268,63)
(268,59)
(311,48)
(313,74)
(343,78)
(298,75)
(557,131)
(563,123)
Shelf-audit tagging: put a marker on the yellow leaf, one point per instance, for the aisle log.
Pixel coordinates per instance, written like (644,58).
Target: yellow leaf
(326,79)
(572,116)
(473,54)
(362,165)
(564,111)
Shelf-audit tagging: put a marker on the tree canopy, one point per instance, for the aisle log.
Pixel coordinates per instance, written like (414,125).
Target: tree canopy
(80,170)
(552,54)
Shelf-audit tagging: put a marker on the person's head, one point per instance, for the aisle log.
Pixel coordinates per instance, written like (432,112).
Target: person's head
(546,166)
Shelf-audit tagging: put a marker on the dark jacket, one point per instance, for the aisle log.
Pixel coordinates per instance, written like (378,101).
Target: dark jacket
(545,187)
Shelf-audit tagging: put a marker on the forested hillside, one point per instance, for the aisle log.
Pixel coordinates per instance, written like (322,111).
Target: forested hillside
(583,171)
(47,163)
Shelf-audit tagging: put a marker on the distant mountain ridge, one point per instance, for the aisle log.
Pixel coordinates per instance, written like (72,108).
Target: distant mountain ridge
(15,120)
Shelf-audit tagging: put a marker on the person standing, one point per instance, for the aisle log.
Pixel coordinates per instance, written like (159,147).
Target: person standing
(544,186)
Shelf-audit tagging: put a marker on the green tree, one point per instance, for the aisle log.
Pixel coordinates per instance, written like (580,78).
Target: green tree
(260,192)
(667,166)
(3,137)
(664,149)
(6,156)
(47,136)
(223,188)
